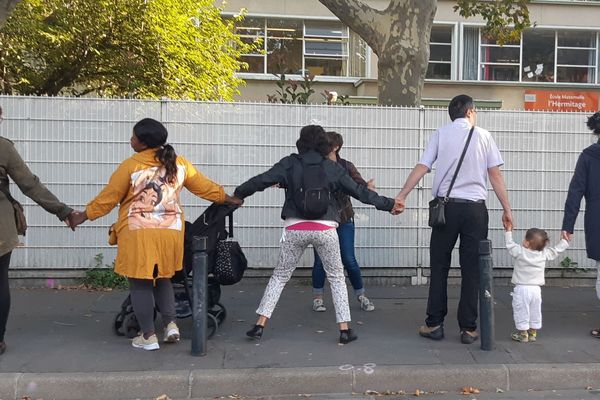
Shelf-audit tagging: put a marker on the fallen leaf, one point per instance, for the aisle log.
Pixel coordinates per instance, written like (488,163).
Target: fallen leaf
(371,393)
(359,323)
(419,392)
(588,388)
(320,331)
(498,390)
(163,397)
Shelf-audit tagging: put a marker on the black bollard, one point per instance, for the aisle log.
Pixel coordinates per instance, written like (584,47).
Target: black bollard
(199,295)
(486,295)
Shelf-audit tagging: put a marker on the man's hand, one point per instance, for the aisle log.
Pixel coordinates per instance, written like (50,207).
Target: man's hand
(233,200)
(566,235)
(399,206)
(507,220)
(75,219)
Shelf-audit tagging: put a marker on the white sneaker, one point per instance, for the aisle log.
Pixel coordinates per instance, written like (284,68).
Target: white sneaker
(318,305)
(365,303)
(171,333)
(139,342)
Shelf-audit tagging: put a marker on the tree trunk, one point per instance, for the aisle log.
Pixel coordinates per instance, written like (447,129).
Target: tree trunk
(404,56)
(6,7)
(399,36)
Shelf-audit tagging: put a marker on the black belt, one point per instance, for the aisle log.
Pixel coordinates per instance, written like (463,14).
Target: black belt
(455,200)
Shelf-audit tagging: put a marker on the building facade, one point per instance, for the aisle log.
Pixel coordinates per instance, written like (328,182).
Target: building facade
(554,65)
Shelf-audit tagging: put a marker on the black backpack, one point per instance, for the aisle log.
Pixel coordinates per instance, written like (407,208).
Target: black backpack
(312,196)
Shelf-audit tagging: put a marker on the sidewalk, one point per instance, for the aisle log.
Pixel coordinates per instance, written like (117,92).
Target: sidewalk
(61,345)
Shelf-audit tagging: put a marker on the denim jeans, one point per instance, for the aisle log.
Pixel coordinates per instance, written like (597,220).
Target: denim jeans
(346,236)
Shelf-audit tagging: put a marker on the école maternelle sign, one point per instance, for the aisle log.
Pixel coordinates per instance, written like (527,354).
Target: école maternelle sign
(556,100)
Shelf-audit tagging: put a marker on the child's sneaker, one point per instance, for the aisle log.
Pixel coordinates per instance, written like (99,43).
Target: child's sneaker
(140,342)
(520,336)
(171,333)
(532,335)
(365,303)
(318,305)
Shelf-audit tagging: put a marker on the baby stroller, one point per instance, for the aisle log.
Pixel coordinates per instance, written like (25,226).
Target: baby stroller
(210,224)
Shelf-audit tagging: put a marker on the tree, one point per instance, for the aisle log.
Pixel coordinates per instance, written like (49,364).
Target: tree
(6,7)
(399,36)
(131,48)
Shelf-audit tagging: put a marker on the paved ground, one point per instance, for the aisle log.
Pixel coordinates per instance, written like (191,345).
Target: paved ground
(67,333)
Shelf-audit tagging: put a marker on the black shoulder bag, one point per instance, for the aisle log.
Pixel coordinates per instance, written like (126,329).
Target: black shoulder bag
(437,206)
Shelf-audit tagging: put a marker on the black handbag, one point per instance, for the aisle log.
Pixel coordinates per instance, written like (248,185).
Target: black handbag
(230,261)
(437,206)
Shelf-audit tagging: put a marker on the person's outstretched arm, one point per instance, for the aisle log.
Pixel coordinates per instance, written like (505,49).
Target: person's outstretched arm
(364,194)
(276,175)
(497,181)
(31,186)
(513,248)
(550,253)
(573,202)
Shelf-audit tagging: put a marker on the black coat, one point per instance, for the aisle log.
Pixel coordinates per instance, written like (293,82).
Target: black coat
(288,172)
(586,183)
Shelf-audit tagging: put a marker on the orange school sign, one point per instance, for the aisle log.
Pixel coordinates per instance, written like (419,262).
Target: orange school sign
(554,100)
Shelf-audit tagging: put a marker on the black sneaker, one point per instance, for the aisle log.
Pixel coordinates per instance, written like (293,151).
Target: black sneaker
(256,332)
(347,336)
(433,333)
(468,337)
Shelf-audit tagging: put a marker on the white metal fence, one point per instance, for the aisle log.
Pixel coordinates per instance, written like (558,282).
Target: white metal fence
(73,145)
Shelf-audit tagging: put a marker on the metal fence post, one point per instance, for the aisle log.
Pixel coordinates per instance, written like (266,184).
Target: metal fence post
(199,295)
(486,295)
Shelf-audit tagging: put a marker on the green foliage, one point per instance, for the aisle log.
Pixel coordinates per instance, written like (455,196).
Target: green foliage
(179,49)
(505,19)
(569,265)
(102,276)
(293,91)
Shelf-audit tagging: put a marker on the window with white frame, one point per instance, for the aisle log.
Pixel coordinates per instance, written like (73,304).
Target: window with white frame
(542,55)
(440,53)
(498,63)
(296,47)
(576,56)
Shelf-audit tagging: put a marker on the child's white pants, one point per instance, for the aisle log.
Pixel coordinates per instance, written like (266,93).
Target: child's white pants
(527,307)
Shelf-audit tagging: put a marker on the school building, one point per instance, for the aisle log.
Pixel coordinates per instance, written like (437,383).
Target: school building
(554,66)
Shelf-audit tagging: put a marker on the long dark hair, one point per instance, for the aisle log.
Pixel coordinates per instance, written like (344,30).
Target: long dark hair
(154,135)
(313,137)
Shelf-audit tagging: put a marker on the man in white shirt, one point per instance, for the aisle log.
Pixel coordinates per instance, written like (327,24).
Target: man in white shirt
(466,213)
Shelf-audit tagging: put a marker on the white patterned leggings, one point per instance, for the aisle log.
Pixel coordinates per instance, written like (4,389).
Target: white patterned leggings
(292,246)
(598,280)
(527,307)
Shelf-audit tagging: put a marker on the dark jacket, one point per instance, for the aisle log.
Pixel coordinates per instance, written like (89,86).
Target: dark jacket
(586,183)
(287,173)
(11,164)
(343,200)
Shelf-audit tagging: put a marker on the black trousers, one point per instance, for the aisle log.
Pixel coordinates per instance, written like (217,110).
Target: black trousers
(469,221)
(4,293)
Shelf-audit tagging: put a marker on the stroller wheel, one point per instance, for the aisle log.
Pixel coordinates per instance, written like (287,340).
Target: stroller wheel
(131,327)
(212,324)
(118,324)
(218,311)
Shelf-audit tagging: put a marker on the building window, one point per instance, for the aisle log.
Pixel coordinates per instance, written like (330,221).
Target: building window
(576,57)
(538,56)
(499,63)
(542,55)
(251,31)
(298,47)
(440,53)
(326,48)
(284,46)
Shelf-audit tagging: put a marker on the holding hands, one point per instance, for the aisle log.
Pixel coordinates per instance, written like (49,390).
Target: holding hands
(75,219)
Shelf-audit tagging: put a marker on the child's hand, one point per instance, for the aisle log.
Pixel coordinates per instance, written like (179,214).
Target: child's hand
(508,227)
(566,235)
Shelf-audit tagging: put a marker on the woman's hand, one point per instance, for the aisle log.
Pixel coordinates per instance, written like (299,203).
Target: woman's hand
(371,184)
(233,200)
(75,219)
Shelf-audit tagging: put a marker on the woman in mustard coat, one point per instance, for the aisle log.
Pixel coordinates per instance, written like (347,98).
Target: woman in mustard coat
(150,226)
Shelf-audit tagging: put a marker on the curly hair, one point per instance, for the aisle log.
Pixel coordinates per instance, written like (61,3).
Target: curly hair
(154,135)
(593,123)
(313,137)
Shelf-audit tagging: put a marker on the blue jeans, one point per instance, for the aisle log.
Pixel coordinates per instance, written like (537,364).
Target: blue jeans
(346,236)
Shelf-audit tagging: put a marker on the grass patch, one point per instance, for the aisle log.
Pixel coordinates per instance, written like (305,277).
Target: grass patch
(103,276)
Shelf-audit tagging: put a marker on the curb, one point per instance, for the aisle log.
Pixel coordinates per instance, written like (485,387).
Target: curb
(209,383)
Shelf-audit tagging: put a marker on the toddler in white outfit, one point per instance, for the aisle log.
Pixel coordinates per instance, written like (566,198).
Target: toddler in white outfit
(528,277)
